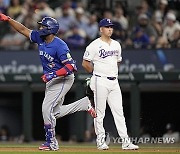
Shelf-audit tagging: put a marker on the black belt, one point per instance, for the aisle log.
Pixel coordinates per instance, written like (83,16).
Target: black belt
(110,78)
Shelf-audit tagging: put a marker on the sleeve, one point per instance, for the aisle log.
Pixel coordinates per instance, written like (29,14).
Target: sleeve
(89,53)
(119,53)
(68,62)
(63,53)
(65,57)
(34,37)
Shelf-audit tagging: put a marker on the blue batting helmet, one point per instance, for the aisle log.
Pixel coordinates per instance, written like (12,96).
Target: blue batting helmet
(51,26)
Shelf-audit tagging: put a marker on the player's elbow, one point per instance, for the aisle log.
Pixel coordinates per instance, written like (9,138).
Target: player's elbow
(25,32)
(87,66)
(84,64)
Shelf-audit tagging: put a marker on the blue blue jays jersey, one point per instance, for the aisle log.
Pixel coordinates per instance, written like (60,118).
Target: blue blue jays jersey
(51,54)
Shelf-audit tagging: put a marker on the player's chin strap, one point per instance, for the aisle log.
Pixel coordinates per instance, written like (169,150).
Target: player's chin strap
(69,68)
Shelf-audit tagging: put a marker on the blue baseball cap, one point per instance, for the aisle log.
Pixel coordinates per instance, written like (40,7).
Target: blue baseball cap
(105,22)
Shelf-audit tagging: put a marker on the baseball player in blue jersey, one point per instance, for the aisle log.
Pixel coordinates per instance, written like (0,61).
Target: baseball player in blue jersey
(58,69)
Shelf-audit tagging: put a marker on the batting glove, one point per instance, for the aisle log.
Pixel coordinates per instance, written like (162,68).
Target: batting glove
(3,17)
(49,76)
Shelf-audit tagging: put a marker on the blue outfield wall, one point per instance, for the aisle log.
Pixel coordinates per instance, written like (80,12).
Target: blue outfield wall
(133,60)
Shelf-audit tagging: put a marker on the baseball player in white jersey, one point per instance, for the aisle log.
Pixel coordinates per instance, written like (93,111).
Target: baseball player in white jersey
(101,58)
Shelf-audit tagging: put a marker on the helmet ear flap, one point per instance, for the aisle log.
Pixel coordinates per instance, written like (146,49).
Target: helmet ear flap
(44,32)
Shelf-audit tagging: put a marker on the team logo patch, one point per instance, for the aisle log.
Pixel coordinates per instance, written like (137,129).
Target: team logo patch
(51,65)
(68,55)
(86,53)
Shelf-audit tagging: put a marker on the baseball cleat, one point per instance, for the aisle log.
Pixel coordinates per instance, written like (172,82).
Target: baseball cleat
(46,147)
(92,112)
(129,147)
(104,146)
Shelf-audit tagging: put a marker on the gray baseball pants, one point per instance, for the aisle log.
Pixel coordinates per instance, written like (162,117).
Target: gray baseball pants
(52,107)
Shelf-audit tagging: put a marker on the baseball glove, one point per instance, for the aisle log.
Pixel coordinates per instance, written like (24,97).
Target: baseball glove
(89,92)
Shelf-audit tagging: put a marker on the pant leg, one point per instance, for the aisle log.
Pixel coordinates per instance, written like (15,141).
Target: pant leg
(100,96)
(79,105)
(115,104)
(56,89)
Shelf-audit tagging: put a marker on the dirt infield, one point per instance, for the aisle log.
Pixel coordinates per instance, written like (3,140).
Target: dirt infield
(83,148)
(90,150)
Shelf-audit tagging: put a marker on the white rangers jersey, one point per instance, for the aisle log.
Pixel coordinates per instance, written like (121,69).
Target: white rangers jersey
(104,57)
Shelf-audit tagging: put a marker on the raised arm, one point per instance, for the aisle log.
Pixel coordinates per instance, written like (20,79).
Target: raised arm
(16,25)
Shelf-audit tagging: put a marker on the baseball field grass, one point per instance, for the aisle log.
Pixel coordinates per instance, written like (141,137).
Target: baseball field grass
(75,148)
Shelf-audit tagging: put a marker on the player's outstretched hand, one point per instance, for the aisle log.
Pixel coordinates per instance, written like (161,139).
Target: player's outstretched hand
(3,17)
(47,77)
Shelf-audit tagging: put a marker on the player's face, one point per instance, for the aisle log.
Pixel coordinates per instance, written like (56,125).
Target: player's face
(106,31)
(41,27)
